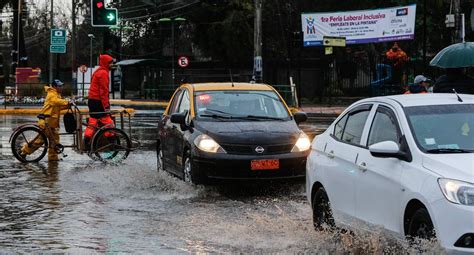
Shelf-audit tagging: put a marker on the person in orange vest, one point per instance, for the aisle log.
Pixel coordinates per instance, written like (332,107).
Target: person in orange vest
(420,85)
(50,113)
(98,101)
(397,58)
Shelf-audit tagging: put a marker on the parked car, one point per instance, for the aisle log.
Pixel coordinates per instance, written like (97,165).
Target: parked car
(231,131)
(403,162)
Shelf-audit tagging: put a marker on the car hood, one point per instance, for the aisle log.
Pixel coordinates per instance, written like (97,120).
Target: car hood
(453,166)
(251,132)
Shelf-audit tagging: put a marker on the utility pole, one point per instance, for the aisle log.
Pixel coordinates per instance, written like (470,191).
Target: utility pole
(51,24)
(73,45)
(425,36)
(18,36)
(257,39)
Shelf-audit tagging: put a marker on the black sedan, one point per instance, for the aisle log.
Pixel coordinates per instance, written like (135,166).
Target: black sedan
(231,131)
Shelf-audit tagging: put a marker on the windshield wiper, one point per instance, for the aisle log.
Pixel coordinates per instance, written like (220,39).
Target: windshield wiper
(257,117)
(445,150)
(216,116)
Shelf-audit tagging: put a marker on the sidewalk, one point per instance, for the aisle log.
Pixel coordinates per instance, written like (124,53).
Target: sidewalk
(323,109)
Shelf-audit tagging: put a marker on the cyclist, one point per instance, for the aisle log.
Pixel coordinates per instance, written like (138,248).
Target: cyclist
(49,115)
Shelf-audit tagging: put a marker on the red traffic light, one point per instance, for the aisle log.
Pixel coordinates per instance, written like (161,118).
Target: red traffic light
(100,5)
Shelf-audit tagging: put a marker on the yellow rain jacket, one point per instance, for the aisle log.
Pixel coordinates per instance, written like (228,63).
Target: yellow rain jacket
(53,106)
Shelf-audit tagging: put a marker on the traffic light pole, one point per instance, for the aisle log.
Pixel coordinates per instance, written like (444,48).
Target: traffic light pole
(51,54)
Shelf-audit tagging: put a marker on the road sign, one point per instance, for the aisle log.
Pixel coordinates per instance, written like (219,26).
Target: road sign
(328,50)
(334,41)
(57,48)
(183,61)
(83,68)
(58,36)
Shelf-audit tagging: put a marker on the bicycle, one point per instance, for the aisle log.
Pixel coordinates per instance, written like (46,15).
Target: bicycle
(108,144)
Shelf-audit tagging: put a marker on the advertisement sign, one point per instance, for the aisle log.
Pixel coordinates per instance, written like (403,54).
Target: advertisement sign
(365,26)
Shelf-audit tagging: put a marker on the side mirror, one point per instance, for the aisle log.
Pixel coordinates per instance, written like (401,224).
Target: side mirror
(300,117)
(388,149)
(178,118)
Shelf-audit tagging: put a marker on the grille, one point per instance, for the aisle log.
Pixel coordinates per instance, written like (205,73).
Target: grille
(240,149)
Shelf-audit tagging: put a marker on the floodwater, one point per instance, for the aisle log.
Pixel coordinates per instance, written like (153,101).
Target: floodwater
(81,206)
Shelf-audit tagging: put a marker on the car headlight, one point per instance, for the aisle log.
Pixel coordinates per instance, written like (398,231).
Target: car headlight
(457,192)
(302,144)
(207,144)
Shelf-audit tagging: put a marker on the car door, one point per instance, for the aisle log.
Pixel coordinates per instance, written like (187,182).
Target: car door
(176,135)
(378,186)
(340,169)
(168,129)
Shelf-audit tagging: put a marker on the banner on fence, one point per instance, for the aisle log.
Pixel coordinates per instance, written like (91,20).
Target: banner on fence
(364,26)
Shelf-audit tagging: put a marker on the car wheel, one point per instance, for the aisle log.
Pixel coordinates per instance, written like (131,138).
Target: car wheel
(189,173)
(322,214)
(421,225)
(159,157)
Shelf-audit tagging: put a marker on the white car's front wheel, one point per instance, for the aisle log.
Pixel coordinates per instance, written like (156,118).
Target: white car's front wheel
(421,226)
(322,214)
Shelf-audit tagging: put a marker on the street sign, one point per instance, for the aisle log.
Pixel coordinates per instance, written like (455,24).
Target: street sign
(183,61)
(58,36)
(334,41)
(57,48)
(83,68)
(328,50)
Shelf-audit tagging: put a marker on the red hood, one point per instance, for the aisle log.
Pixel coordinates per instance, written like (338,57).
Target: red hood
(105,60)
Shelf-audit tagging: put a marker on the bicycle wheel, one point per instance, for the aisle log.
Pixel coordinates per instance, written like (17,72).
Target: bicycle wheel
(36,142)
(111,145)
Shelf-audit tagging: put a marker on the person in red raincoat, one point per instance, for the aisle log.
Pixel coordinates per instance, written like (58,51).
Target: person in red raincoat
(98,101)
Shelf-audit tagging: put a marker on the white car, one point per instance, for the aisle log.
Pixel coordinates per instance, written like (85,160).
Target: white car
(402,162)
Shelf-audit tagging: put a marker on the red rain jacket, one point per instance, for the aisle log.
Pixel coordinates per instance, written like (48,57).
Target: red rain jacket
(99,89)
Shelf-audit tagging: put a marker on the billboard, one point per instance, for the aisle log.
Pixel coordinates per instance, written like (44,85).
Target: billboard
(364,26)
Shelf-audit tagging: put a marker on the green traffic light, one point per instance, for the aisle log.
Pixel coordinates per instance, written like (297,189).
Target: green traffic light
(110,17)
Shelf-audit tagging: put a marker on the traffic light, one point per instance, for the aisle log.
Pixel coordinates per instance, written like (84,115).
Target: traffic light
(102,16)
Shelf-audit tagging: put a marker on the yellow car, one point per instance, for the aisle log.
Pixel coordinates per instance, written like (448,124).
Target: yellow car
(231,131)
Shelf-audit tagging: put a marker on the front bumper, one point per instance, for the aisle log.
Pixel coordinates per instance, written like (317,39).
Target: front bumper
(237,167)
(452,222)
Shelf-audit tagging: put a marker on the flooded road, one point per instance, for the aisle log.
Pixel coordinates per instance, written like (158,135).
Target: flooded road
(81,206)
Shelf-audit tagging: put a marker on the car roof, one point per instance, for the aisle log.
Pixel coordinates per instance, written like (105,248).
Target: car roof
(424,99)
(230,86)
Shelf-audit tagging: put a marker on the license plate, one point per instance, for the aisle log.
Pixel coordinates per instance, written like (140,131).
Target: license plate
(265,164)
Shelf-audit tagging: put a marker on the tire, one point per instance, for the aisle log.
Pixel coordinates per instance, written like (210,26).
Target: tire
(160,166)
(421,226)
(189,173)
(28,135)
(322,214)
(113,148)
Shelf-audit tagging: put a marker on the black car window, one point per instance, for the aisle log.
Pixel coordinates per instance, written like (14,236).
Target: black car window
(175,103)
(339,127)
(355,126)
(384,127)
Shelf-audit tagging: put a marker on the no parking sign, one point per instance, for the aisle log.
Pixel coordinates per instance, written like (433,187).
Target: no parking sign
(183,61)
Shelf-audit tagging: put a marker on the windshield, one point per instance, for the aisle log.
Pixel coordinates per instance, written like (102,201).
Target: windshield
(249,105)
(443,128)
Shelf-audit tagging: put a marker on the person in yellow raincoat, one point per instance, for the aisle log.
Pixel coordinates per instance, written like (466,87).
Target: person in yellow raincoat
(52,107)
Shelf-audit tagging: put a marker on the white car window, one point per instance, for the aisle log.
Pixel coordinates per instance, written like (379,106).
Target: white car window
(339,127)
(354,127)
(384,127)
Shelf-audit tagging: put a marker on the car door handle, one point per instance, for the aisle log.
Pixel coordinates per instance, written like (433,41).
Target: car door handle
(363,167)
(331,154)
